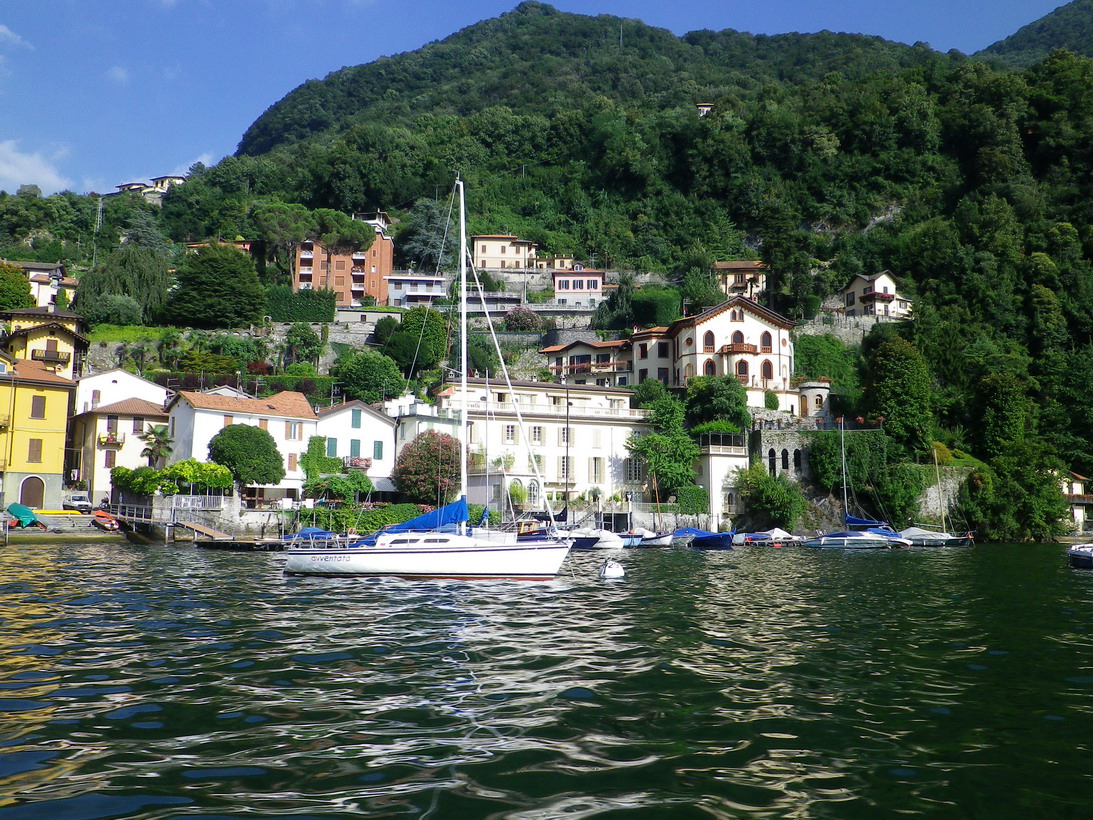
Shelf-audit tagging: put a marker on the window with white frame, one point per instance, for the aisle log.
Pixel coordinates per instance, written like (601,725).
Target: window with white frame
(563,435)
(565,465)
(633,471)
(537,435)
(510,434)
(595,470)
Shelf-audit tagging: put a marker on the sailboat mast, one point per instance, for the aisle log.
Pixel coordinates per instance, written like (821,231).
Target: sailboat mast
(462,340)
(842,451)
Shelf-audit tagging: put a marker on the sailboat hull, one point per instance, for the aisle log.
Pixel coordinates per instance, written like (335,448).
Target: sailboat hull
(433,555)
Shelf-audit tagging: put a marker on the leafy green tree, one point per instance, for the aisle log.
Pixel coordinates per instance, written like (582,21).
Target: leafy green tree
(14,287)
(368,376)
(426,239)
(420,342)
(284,227)
(648,392)
(217,287)
(716,398)
(700,290)
(133,270)
(111,309)
(340,234)
(385,327)
(668,453)
(302,344)
(898,390)
(249,452)
(427,469)
(771,499)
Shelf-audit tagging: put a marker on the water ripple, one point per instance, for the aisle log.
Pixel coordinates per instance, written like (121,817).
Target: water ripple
(170,682)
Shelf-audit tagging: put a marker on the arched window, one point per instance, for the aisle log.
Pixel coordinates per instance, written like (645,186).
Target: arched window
(533,492)
(737,337)
(707,342)
(742,370)
(785,459)
(767,369)
(765,341)
(709,369)
(689,371)
(818,402)
(797,461)
(772,461)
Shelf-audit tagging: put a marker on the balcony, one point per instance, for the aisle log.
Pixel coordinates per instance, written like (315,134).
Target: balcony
(356,463)
(884,297)
(51,356)
(307,254)
(739,347)
(112,440)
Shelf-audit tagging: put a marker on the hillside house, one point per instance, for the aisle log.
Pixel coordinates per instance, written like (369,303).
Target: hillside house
(501,252)
(874,295)
(741,278)
(578,286)
(47,335)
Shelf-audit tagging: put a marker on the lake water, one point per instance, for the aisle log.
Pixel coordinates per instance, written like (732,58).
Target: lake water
(170,682)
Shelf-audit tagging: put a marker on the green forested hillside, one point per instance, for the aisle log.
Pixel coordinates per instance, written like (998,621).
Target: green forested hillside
(825,155)
(1069,27)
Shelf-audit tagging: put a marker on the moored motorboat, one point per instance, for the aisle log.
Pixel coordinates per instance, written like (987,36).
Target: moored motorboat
(595,539)
(935,538)
(856,540)
(706,540)
(682,540)
(1080,556)
(662,539)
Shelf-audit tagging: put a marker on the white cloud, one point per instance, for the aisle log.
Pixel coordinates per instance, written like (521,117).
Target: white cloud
(18,168)
(11,38)
(205,159)
(118,75)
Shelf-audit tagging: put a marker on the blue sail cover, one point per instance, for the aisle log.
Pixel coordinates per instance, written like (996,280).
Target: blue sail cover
(851,521)
(441,518)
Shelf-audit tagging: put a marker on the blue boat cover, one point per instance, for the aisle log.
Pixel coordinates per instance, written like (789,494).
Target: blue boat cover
(851,521)
(441,518)
(310,534)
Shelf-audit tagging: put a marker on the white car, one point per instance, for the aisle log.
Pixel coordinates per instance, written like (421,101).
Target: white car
(78,501)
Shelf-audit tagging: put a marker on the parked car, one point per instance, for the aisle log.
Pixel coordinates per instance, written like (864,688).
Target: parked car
(78,501)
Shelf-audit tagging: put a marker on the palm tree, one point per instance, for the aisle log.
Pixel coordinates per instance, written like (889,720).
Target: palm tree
(159,443)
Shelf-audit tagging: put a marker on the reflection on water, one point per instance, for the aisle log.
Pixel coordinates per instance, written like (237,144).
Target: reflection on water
(769,683)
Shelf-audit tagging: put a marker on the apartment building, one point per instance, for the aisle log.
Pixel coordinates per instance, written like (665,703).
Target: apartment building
(501,251)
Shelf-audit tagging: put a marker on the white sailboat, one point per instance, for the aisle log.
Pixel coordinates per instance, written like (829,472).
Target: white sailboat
(431,551)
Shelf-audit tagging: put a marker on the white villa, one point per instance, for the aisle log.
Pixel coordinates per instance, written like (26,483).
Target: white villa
(550,438)
(196,417)
(363,438)
(738,338)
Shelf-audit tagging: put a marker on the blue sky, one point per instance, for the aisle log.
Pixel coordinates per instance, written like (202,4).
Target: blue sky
(94,94)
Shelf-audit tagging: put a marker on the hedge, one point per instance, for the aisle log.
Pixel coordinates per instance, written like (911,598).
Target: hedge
(285,305)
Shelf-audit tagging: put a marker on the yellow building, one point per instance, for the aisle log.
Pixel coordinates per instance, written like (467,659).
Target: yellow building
(35,403)
(47,335)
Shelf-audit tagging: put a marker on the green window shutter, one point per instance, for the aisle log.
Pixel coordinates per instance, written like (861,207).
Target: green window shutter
(355,448)
(332,448)
(377,450)
(356,419)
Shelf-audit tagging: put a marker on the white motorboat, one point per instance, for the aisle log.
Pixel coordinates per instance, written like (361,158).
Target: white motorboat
(856,540)
(606,540)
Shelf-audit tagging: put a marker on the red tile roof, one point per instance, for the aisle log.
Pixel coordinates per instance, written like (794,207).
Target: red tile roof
(130,407)
(287,403)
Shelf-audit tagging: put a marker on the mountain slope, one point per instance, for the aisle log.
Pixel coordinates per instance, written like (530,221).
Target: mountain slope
(1069,27)
(537,60)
